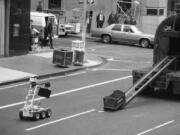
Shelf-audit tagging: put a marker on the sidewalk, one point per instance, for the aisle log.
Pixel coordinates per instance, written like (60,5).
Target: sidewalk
(21,68)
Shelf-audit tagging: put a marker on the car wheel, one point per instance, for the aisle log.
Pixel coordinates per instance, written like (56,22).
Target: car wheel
(106,38)
(144,43)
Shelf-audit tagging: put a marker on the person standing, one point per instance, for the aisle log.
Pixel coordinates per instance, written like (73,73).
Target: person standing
(45,34)
(31,35)
(50,33)
(100,19)
(39,7)
(113,18)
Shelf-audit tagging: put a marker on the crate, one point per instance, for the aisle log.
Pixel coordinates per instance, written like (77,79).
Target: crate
(78,57)
(62,57)
(78,45)
(114,101)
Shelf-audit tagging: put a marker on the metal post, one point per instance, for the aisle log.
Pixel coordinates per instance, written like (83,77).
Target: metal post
(84,28)
(84,22)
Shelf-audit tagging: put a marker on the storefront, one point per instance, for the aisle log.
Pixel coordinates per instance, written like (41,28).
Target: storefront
(14,27)
(19,27)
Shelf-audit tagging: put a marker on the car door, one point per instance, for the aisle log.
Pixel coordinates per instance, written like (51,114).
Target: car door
(116,32)
(129,36)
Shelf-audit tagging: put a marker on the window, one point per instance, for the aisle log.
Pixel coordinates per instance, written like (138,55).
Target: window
(127,29)
(125,5)
(161,11)
(54,4)
(117,28)
(155,11)
(152,11)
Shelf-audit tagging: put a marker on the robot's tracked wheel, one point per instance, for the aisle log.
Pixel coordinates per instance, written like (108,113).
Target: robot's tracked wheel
(48,113)
(43,114)
(21,115)
(36,116)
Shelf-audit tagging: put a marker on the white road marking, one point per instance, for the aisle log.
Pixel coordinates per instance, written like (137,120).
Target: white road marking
(129,61)
(59,120)
(154,128)
(70,91)
(113,69)
(100,111)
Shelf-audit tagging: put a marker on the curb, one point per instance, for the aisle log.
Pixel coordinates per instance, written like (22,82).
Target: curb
(25,79)
(87,37)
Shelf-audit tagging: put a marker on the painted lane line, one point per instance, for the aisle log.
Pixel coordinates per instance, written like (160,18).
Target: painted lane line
(113,69)
(59,120)
(69,91)
(91,86)
(154,128)
(129,61)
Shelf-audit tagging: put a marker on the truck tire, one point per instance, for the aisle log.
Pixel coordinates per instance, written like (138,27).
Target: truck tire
(48,113)
(106,38)
(36,116)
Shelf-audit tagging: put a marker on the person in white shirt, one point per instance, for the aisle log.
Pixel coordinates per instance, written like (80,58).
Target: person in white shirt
(100,19)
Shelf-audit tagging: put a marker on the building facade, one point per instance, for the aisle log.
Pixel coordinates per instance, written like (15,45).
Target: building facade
(15,17)
(14,27)
(148,13)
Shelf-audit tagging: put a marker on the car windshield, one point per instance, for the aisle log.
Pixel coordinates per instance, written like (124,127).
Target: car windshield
(136,30)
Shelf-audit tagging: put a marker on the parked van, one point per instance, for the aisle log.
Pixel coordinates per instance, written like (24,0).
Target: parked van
(39,21)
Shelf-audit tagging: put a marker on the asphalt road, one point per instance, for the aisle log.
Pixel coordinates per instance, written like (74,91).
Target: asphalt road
(77,104)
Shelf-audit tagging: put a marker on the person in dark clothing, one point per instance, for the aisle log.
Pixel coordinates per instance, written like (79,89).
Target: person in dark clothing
(45,35)
(127,20)
(39,7)
(113,18)
(50,33)
(100,19)
(133,21)
(31,35)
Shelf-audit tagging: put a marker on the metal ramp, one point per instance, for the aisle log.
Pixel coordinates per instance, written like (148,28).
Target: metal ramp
(147,78)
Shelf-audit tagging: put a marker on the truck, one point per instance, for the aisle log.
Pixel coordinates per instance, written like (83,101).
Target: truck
(167,41)
(163,75)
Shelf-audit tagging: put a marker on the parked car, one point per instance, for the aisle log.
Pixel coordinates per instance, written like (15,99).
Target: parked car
(123,33)
(39,21)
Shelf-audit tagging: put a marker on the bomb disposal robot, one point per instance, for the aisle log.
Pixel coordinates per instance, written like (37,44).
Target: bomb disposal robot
(31,108)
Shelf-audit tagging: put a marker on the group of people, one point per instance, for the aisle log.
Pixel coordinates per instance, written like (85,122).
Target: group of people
(113,19)
(37,38)
(43,37)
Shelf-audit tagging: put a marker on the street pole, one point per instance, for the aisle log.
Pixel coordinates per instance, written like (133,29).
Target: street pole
(84,28)
(84,22)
